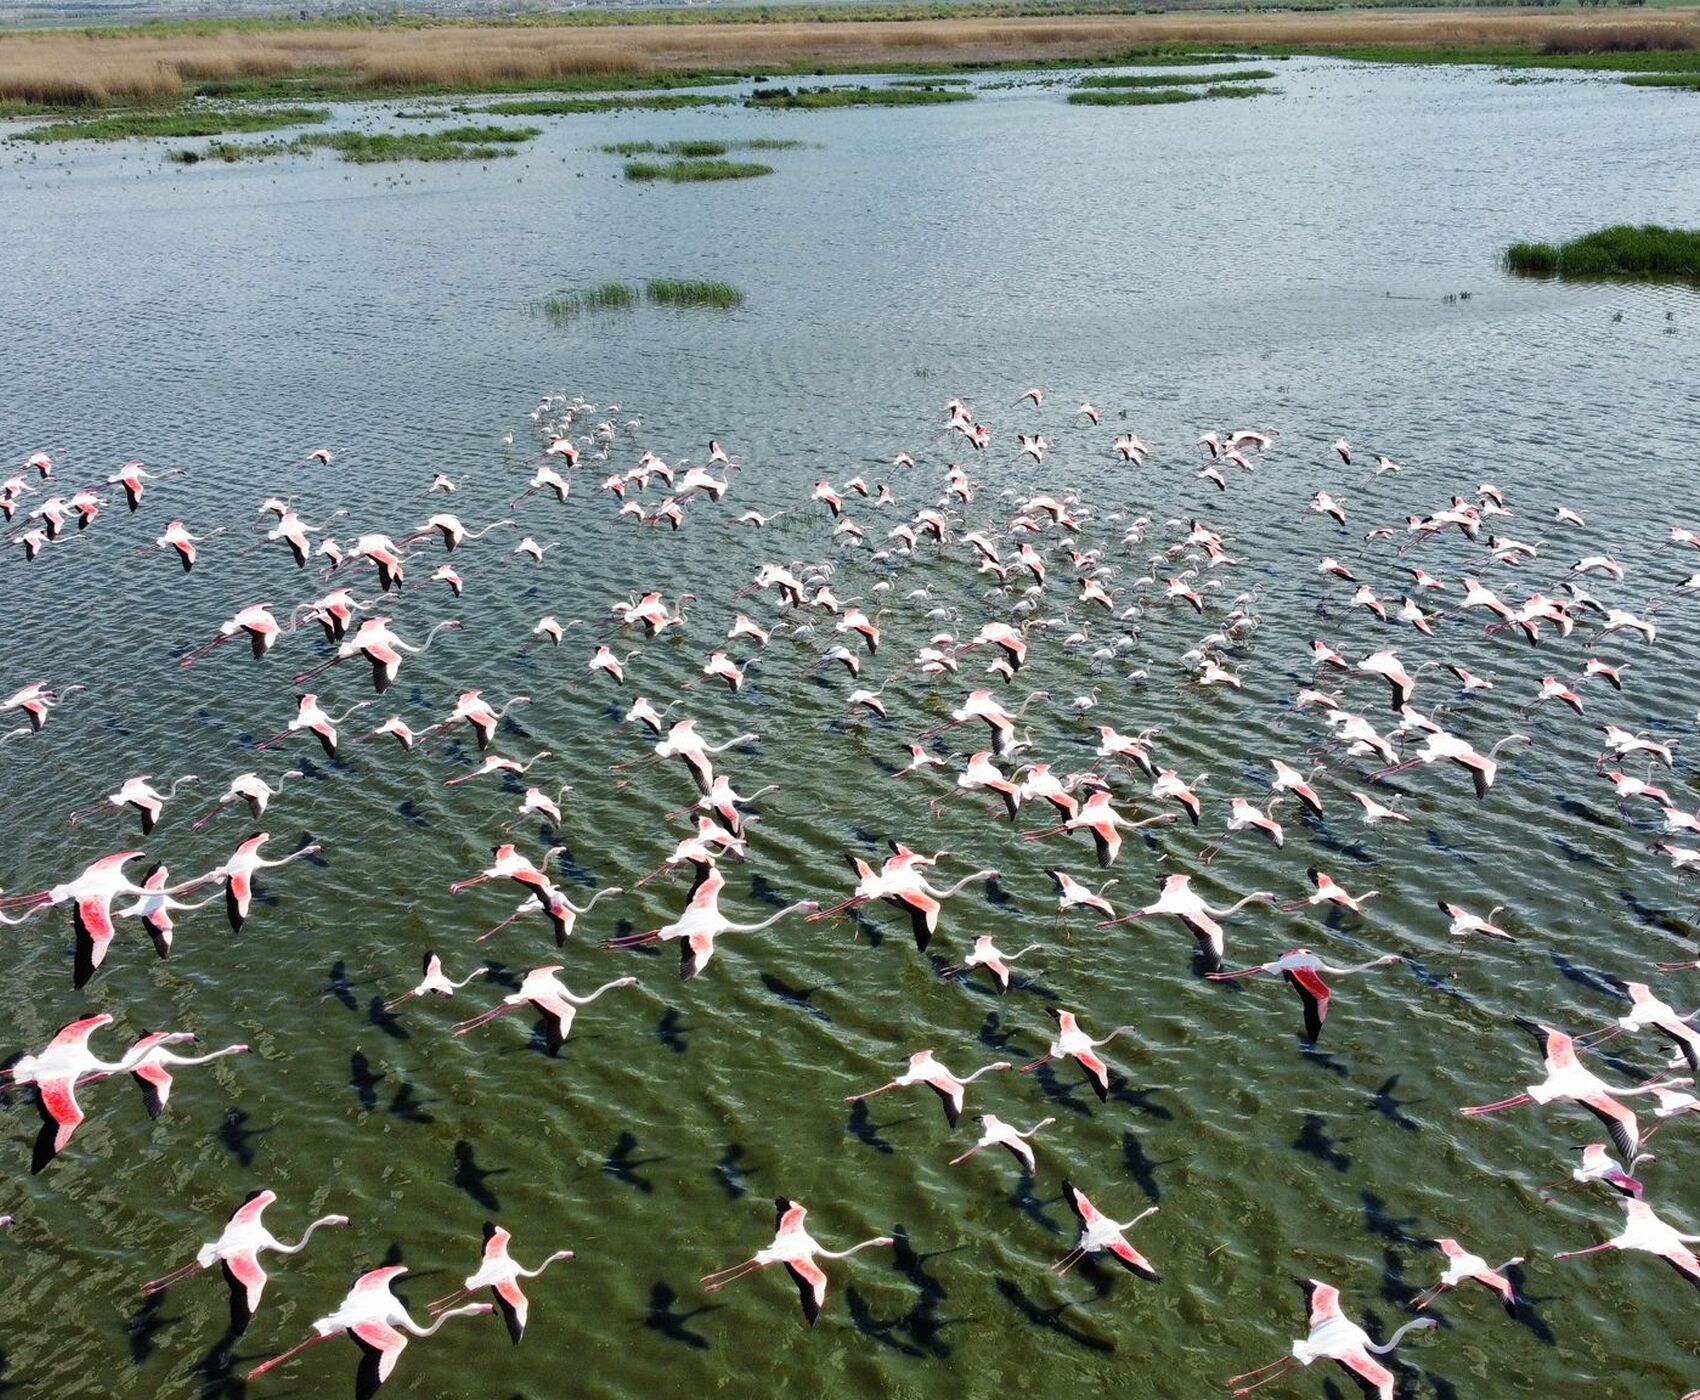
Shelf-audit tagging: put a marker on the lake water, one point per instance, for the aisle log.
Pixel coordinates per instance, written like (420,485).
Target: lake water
(1323,260)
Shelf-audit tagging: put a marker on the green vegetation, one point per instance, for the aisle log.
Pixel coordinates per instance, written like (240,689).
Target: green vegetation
(931,82)
(690,171)
(610,296)
(1690,81)
(1601,57)
(667,291)
(696,149)
(1624,250)
(571,106)
(459,143)
(1129,97)
(1158,80)
(820,97)
(148,125)
(1236,90)
(230,152)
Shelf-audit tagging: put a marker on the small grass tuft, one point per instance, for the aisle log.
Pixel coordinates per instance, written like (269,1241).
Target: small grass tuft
(571,106)
(457,143)
(1624,250)
(1689,81)
(1129,97)
(564,306)
(668,291)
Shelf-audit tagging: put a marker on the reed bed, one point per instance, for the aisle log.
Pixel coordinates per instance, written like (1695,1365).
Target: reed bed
(813,98)
(458,143)
(1691,81)
(1130,97)
(1624,250)
(684,172)
(160,65)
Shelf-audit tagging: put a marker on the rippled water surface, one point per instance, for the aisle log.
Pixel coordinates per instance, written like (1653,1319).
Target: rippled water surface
(1299,261)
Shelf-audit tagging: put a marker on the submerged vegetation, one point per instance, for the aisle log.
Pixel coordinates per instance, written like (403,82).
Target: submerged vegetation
(1624,250)
(818,97)
(457,143)
(1094,96)
(667,291)
(573,106)
(148,125)
(690,171)
(698,149)
(564,306)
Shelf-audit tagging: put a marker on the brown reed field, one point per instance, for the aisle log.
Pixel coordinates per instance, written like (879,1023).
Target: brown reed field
(162,65)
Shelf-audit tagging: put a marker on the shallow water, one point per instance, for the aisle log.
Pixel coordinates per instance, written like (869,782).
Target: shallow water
(1292,261)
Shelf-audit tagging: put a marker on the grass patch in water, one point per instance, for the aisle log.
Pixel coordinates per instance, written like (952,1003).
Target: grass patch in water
(1623,250)
(668,291)
(232,152)
(1690,81)
(682,172)
(1129,97)
(1236,90)
(821,97)
(1161,80)
(931,82)
(572,106)
(457,143)
(564,306)
(141,126)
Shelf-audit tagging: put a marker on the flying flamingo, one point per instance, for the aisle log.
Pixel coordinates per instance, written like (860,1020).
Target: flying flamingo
(237,1250)
(1643,1230)
(1335,1337)
(1178,900)
(155,906)
(377,1321)
(311,717)
(902,885)
(496,763)
(434,982)
(1461,1265)
(381,647)
(1072,1042)
(255,620)
(138,793)
(500,1273)
(701,923)
(797,1250)
(1099,1233)
(1105,824)
(562,912)
(988,955)
(56,1072)
(1648,1012)
(549,996)
(36,700)
(924,1069)
(150,1062)
(997,1133)
(238,873)
(1326,891)
(1569,1081)
(1302,969)
(1071,894)
(509,864)
(250,788)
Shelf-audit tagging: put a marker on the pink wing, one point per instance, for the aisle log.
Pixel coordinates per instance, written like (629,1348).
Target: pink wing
(78,1032)
(1364,1366)
(383,1339)
(245,1268)
(59,1098)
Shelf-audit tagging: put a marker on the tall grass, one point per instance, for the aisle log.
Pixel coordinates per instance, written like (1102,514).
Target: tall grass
(667,291)
(1624,250)
(564,306)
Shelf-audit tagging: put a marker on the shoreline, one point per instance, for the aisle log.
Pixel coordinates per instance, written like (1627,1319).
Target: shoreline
(163,65)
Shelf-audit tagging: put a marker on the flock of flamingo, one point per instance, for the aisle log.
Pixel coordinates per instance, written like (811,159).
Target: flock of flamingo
(940,696)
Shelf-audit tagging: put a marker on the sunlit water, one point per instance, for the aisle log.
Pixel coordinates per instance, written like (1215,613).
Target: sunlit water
(1298,261)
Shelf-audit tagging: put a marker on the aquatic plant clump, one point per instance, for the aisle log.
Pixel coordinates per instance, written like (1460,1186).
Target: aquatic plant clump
(1624,250)
(459,143)
(1130,97)
(823,97)
(667,291)
(572,106)
(142,126)
(690,171)
(1162,80)
(564,306)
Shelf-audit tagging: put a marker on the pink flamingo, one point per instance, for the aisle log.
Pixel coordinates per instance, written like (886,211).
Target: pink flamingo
(797,1250)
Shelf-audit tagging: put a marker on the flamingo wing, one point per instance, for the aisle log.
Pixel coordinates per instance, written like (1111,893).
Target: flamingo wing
(1079,1203)
(1097,1073)
(1619,1122)
(950,1095)
(1108,840)
(514,1306)
(59,1102)
(1133,1261)
(811,1286)
(154,1080)
(383,1341)
(1313,993)
(923,911)
(1370,1372)
(247,1273)
(694,954)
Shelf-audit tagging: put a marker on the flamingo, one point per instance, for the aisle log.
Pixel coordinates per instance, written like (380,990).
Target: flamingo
(178,536)
(434,982)
(1569,1081)
(1335,1337)
(997,1133)
(310,716)
(797,1250)
(1072,1042)
(382,649)
(250,788)
(1302,970)
(1178,900)
(36,700)
(90,896)
(1099,1233)
(1597,1165)
(562,912)
(1071,894)
(378,1322)
(923,1068)
(1461,1265)
(1643,1230)
(255,620)
(550,997)
(65,1063)
(1326,891)
(237,1250)
(139,793)
(902,885)
(509,864)
(988,955)
(238,873)
(1105,824)
(701,923)
(155,906)
(150,1060)
(500,1273)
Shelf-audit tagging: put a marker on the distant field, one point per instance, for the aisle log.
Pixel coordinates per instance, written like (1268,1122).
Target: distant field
(162,64)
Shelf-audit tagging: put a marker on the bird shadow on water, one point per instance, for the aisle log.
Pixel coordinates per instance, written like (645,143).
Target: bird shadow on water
(471,1178)
(364,1080)
(1035,1208)
(1139,1099)
(216,1370)
(406,1105)
(1050,1318)
(915,1332)
(1390,1108)
(1324,1060)
(1379,1223)
(1142,1168)
(992,1034)
(862,1127)
(1068,1096)
(660,1317)
(385,1021)
(622,1163)
(799,997)
(1314,1141)
(731,1173)
(145,1324)
(669,1031)
(236,1137)
(337,985)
